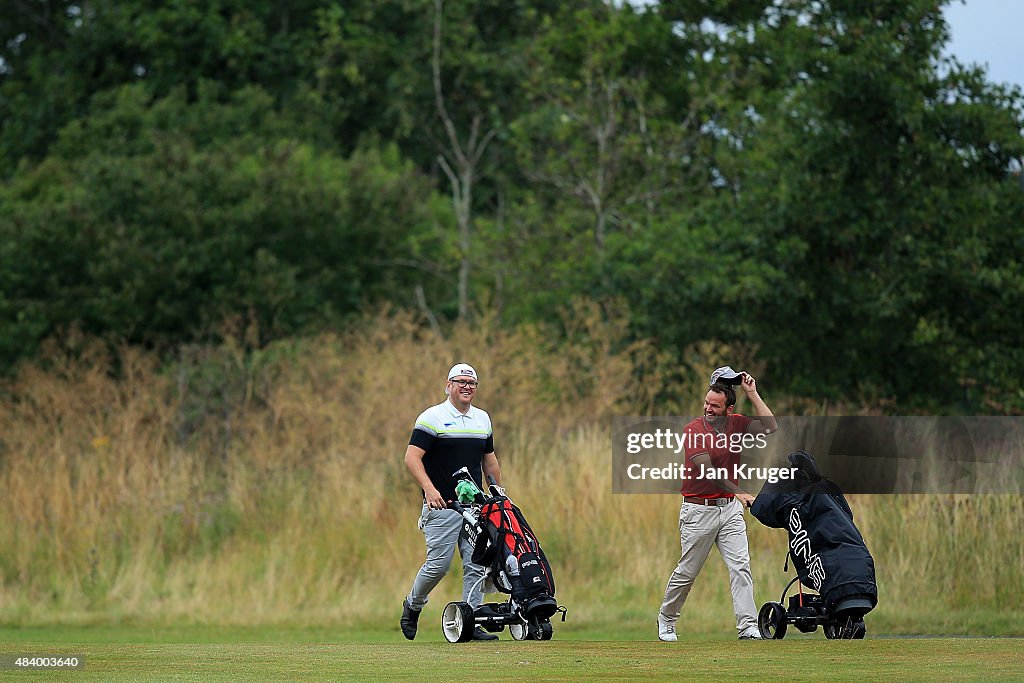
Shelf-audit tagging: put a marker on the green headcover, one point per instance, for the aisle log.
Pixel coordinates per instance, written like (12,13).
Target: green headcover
(466,491)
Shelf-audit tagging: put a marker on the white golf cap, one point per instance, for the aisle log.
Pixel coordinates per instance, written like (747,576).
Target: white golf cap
(462,370)
(726,375)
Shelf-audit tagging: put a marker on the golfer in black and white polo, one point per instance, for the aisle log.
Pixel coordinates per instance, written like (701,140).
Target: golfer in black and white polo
(447,437)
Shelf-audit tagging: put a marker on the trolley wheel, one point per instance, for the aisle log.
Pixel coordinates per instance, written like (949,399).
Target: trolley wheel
(457,622)
(539,629)
(518,631)
(852,630)
(546,630)
(857,630)
(771,621)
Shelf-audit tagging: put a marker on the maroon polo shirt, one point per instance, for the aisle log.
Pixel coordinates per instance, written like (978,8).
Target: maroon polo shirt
(701,437)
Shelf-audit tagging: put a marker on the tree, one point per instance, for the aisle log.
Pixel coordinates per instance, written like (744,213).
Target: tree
(460,161)
(57,55)
(881,171)
(152,223)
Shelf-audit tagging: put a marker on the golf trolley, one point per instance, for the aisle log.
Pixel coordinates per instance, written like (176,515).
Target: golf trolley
(514,564)
(828,553)
(807,611)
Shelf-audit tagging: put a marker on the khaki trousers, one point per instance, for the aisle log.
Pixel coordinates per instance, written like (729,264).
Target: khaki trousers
(700,526)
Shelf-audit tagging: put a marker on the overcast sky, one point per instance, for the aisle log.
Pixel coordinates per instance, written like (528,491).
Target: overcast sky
(987,32)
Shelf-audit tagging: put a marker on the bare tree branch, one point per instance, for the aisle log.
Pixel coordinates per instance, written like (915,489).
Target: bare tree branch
(421,301)
(456,188)
(459,163)
(449,126)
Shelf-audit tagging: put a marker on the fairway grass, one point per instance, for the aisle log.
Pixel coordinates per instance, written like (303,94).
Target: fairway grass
(122,653)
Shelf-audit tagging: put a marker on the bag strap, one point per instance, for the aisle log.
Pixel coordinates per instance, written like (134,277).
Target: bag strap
(520,543)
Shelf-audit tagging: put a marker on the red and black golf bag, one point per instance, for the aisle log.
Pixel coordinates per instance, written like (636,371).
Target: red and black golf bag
(519,567)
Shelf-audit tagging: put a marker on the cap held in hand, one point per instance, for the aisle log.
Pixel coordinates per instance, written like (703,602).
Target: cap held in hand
(726,375)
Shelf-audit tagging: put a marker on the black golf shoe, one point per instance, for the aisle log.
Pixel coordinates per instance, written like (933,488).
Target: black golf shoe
(410,618)
(480,634)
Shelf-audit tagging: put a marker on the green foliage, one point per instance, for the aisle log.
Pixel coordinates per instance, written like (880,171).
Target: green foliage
(58,55)
(883,173)
(152,223)
(810,177)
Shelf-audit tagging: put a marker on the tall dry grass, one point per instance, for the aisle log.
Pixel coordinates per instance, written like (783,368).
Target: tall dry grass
(268,487)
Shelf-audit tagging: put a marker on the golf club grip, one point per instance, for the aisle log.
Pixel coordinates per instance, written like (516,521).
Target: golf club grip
(455,505)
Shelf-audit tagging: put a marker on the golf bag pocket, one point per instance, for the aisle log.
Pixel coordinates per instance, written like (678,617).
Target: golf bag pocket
(535,583)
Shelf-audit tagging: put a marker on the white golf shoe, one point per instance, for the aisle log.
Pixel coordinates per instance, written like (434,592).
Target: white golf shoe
(666,631)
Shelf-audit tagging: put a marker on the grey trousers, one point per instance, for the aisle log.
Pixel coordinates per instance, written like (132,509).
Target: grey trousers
(700,527)
(441,529)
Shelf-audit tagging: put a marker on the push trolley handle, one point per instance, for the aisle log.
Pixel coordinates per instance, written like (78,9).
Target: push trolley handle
(467,515)
(495,489)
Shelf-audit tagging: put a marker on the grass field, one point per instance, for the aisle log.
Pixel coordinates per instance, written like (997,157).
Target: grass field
(210,654)
(240,518)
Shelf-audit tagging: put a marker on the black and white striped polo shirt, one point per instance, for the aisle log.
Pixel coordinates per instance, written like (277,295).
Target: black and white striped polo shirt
(452,441)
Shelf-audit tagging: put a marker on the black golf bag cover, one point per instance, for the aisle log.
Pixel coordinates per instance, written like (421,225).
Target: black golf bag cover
(828,550)
(507,535)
